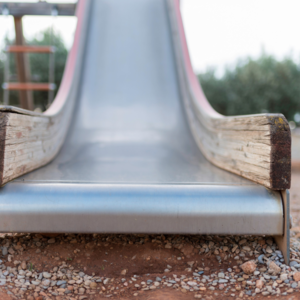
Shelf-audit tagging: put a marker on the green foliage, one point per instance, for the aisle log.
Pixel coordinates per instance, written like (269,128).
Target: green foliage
(255,86)
(39,67)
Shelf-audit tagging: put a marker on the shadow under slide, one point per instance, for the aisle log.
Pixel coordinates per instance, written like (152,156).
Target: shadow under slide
(130,162)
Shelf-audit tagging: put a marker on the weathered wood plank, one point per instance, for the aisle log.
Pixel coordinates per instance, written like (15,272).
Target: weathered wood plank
(257,147)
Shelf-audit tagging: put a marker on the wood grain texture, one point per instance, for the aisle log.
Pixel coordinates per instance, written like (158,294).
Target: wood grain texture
(30,140)
(3,123)
(257,147)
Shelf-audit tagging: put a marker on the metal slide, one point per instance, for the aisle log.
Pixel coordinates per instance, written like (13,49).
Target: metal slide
(129,163)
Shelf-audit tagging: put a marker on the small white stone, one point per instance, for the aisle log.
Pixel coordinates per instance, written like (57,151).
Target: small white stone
(283,277)
(46,275)
(192,283)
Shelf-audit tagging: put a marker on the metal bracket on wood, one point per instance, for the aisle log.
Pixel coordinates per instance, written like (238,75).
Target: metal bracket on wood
(283,241)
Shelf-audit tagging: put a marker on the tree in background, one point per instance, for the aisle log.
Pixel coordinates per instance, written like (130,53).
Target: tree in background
(255,86)
(39,67)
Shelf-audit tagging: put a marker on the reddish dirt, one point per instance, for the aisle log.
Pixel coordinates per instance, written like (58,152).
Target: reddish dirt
(108,260)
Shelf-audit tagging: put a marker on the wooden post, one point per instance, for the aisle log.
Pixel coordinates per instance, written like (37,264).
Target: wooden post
(23,70)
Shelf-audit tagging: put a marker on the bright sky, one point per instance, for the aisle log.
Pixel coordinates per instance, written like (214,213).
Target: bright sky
(218,31)
(221,31)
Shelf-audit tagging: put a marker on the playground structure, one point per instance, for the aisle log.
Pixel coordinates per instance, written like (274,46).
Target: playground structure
(24,86)
(119,149)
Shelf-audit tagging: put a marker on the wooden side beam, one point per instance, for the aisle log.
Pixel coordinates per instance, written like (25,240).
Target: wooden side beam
(23,71)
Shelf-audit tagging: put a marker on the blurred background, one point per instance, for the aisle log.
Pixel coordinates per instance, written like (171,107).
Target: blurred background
(246,54)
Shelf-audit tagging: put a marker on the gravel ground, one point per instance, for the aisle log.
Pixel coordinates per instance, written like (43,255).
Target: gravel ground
(98,266)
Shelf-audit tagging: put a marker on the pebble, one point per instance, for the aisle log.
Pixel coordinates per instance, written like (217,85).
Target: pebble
(87,282)
(248,267)
(46,275)
(269,250)
(239,280)
(260,259)
(51,241)
(223,280)
(273,268)
(296,276)
(46,282)
(283,277)
(259,284)
(293,263)
(93,285)
(4,251)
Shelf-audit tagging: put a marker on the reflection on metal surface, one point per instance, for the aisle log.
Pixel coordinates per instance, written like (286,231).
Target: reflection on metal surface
(125,208)
(130,125)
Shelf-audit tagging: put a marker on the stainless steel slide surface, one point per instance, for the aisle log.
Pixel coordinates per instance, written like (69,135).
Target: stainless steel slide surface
(130,163)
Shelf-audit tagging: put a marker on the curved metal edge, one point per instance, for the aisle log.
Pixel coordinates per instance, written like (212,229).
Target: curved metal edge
(283,241)
(144,208)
